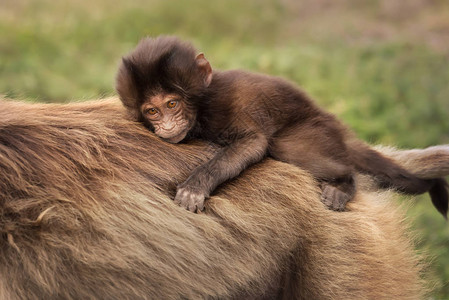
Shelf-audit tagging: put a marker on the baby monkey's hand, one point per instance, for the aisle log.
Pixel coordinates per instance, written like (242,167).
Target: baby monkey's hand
(190,198)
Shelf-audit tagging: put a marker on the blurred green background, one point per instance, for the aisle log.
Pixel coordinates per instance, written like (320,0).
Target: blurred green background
(381,65)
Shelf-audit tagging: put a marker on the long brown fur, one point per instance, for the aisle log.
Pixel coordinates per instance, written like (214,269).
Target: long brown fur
(86,213)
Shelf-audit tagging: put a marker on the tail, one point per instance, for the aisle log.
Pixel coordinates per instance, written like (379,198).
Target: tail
(389,174)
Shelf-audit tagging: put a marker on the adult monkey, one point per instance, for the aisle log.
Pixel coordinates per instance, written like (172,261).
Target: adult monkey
(86,213)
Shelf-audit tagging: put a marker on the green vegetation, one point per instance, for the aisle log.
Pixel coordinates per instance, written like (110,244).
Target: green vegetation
(381,67)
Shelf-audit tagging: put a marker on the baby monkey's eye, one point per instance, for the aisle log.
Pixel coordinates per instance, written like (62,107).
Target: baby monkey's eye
(152,111)
(172,103)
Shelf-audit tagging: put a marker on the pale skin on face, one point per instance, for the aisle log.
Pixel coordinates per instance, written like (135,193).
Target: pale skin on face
(166,112)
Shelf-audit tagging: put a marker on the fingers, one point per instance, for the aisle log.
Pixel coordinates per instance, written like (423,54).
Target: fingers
(191,200)
(333,198)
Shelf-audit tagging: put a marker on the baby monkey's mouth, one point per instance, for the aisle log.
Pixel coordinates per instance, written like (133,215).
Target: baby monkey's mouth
(176,138)
(176,133)
(173,137)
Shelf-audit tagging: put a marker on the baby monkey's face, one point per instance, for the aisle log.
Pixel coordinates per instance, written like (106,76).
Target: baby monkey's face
(169,116)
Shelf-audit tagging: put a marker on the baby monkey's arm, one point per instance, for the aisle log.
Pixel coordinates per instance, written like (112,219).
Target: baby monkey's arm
(229,162)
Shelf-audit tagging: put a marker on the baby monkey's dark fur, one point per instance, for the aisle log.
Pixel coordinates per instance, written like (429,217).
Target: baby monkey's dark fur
(251,116)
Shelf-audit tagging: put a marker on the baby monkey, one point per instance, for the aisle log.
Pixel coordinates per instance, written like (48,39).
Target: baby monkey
(172,89)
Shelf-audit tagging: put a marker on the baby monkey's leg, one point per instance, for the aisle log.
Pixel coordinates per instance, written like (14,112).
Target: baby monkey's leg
(329,165)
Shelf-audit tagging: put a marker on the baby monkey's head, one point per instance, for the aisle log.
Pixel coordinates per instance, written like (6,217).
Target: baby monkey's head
(160,83)
(169,115)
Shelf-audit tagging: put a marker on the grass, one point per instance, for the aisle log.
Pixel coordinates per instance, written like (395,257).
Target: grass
(383,68)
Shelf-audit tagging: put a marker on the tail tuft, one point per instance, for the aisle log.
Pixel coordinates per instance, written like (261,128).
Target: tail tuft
(439,195)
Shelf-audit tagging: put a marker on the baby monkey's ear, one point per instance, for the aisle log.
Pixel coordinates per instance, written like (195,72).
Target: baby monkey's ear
(204,68)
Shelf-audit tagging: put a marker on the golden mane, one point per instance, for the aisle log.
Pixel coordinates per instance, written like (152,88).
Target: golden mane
(86,212)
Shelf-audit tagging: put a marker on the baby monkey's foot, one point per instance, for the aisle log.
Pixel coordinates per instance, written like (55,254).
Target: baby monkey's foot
(334,198)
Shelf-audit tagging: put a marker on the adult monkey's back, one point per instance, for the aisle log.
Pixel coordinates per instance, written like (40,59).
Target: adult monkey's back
(86,213)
